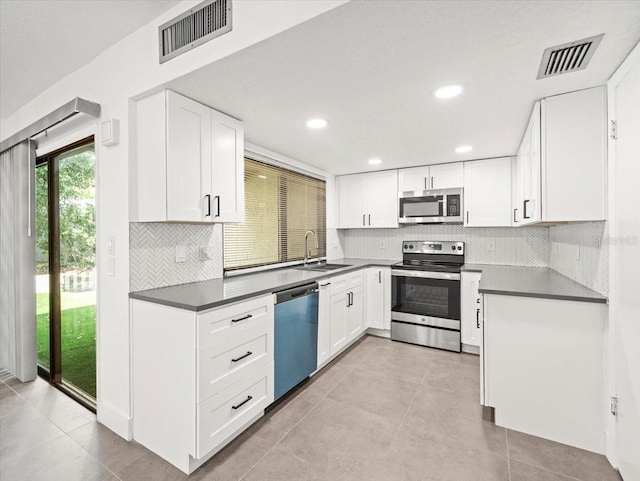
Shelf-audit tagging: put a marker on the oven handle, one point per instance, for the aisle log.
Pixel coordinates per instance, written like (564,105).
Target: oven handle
(426,275)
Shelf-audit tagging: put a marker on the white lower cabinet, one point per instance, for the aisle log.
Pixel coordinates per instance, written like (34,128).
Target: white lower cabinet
(340,314)
(217,376)
(471,312)
(378,298)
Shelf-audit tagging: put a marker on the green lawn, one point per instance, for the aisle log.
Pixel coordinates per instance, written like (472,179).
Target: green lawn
(78,337)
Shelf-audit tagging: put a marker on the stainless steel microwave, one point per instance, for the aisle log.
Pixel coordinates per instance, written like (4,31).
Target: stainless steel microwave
(431,206)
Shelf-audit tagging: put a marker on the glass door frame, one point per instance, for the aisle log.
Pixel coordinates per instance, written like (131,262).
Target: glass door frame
(54,374)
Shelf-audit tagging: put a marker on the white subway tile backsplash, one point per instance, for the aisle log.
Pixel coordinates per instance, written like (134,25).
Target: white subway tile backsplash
(524,246)
(152,254)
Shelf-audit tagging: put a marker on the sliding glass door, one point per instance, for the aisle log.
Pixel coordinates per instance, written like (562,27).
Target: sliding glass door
(65,269)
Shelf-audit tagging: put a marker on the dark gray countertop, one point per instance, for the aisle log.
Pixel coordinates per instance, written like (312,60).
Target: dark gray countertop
(532,282)
(199,296)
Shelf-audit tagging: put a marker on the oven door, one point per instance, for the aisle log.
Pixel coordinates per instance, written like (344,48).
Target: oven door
(431,298)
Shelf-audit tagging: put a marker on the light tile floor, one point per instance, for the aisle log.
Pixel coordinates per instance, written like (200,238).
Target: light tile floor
(383,411)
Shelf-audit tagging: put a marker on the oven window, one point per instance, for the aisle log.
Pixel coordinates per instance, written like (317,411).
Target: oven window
(426,297)
(421,207)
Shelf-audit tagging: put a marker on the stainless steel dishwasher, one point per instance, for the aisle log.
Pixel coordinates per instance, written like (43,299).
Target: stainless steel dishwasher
(296,336)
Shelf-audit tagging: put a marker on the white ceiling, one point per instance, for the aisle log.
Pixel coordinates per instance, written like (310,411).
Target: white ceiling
(42,41)
(370,68)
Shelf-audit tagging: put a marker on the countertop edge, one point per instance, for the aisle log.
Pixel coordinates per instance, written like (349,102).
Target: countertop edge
(539,295)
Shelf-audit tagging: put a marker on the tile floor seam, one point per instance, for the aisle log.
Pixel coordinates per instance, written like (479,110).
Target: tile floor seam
(406,413)
(568,476)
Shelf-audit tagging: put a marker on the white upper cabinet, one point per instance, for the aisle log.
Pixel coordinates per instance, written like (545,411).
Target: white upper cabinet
(189,162)
(414,178)
(487,192)
(368,200)
(561,161)
(447,176)
(439,176)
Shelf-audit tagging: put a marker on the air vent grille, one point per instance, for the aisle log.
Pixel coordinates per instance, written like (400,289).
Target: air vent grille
(569,57)
(204,22)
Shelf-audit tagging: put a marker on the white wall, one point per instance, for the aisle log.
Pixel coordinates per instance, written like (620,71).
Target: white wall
(128,70)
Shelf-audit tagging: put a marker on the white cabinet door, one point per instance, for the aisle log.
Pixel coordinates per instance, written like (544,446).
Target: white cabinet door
(324,322)
(338,320)
(516,189)
(471,313)
(350,198)
(487,192)
(378,298)
(447,176)
(414,178)
(575,149)
(225,174)
(188,150)
(531,210)
(381,199)
(355,313)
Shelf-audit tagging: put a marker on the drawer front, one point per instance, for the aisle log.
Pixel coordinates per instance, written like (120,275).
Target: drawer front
(217,371)
(354,279)
(228,327)
(338,283)
(222,415)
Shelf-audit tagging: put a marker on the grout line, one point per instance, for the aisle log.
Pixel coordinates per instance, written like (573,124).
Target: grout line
(563,475)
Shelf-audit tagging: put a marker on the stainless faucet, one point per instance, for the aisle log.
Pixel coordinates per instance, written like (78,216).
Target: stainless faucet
(305,245)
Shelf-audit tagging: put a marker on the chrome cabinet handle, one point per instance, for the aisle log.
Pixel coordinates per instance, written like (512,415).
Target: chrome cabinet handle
(478,318)
(217,197)
(467,217)
(363,217)
(432,181)
(515,216)
(525,209)
(241,357)
(425,183)
(325,285)
(369,219)
(238,406)
(379,277)
(248,316)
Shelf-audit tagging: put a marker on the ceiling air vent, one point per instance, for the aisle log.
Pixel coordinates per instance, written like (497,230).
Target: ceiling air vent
(569,57)
(202,23)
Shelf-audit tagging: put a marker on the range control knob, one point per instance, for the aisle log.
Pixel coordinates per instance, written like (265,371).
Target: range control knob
(410,246)
(459,248)
(406,246)
(453,248)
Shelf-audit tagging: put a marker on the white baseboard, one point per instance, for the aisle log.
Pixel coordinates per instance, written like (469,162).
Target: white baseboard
(119,422)
(469,349)
(379,332)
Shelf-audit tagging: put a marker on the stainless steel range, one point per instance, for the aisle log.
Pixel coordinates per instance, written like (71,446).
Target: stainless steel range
(426,294)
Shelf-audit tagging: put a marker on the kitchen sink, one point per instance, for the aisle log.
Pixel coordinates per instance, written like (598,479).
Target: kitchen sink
(321,267)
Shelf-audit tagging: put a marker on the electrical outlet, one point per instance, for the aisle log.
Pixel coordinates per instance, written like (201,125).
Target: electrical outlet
(382,245)
(206,253)
(181,253)
(491,245)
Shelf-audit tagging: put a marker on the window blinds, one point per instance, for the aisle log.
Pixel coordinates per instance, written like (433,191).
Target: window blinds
(280,207)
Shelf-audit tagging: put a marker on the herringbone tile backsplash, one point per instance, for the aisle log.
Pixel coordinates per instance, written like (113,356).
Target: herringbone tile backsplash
(525,246)
(152,254)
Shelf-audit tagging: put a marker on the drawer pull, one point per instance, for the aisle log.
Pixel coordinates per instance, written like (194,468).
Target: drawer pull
(241,357)
(238,406)
(248,316)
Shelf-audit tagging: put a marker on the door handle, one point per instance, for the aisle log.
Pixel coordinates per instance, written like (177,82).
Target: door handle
(379,277)
(238,406)
(241,357)
(478,318)
(515,216)
(248,316)
(363,217)
(524,208)
(208,197)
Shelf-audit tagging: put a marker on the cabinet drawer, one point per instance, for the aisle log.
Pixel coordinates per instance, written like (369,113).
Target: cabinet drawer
(228,327)
(345,281)
(222,415)
(217,371)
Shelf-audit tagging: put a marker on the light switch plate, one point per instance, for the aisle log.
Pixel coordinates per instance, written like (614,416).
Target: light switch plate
(111,245)
(181,253)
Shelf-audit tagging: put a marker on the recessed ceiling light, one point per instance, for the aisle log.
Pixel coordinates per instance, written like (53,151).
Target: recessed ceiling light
(448,91)
(463,149)
(375,161)
(316,123)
